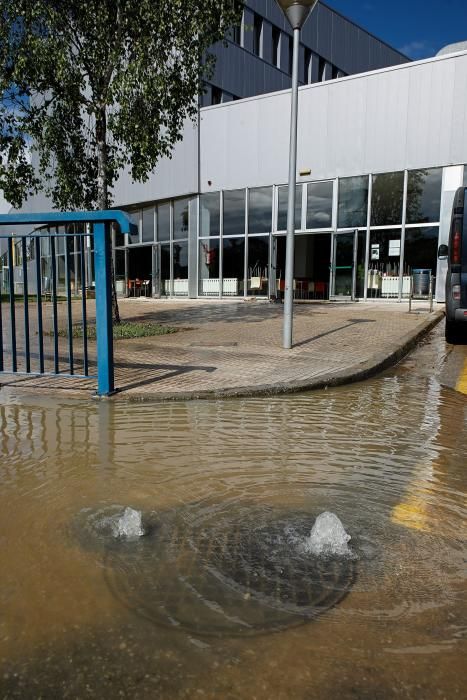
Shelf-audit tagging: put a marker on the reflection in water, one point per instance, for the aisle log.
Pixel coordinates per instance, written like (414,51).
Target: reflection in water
(226,479)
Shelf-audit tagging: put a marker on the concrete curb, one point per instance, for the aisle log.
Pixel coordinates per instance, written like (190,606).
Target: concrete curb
(378,363)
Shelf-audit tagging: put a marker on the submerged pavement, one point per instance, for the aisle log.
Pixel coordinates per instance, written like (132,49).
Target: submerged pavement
(233,348)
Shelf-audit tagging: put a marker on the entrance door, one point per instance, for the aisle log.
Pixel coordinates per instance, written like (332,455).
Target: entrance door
(344,265)
(156,271)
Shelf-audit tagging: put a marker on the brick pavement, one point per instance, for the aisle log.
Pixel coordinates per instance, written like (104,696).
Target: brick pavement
(228,348)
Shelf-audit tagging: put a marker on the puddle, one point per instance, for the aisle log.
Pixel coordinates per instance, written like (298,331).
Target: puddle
(218,599)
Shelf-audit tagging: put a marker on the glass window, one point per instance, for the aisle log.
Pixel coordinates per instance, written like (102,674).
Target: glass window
(59,245)
(181,218)
(420,251)
(353,202)
(119,259)
(209,268)
(210,214)
(237,33)
(276,39)
(234,212)
(386,199)
(465,176)
(163,222)
(319,205)
(282,204)
(258,265)
(260,210)
(165,270)
(257,35)
(384,263)
(423,195)
(61,274)
(233,266)
(307,65)
(148,224)
(180,265)
(119,236)
(321,70)
(135,216)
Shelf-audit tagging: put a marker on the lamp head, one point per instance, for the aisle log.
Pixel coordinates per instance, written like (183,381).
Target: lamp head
(296,11)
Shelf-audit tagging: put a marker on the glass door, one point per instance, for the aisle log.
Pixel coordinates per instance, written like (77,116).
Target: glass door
(156,271)
(343,265)
(277,270)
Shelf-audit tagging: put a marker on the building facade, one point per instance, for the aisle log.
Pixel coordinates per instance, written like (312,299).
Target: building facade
(380,154)
(257,57)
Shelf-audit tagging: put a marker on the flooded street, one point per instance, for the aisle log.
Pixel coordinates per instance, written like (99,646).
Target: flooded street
(218,600)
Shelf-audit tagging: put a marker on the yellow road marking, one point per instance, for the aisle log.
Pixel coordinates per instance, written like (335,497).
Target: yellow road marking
(413,514)
(462,381)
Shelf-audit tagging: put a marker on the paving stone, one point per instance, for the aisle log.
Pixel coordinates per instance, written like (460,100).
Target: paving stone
(234,348)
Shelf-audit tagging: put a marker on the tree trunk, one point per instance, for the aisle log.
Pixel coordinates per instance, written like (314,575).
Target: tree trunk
(103,192)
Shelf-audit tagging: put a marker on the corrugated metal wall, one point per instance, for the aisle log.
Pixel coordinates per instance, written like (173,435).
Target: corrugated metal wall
(411,116)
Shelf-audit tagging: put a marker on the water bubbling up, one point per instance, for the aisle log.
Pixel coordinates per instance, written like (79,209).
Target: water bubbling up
(129,524)
(327,537)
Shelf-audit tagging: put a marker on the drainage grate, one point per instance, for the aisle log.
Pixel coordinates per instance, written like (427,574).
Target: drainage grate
(228,576)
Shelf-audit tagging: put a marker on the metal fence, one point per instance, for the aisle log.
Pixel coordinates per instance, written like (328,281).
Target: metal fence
(47,275)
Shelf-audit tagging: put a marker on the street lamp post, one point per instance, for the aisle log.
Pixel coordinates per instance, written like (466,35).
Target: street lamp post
(297,12)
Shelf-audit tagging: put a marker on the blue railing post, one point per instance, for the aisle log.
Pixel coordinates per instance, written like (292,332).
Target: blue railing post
(101,220)
(103,272)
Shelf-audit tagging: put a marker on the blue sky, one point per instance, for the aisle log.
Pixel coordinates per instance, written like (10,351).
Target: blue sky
(418,28)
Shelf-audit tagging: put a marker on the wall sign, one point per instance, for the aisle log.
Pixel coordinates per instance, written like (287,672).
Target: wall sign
(394,248)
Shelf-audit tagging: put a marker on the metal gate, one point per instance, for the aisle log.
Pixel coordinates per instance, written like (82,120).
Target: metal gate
(47,275)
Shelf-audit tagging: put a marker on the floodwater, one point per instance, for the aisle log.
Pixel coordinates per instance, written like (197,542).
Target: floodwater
(218,600)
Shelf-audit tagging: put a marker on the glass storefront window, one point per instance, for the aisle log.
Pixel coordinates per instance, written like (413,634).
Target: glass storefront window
(260,210)
(210,214)
(233,266)
(165,270)
(148,225)
(387,197)
(282,204)
(234,212)
(119,258)
(319,205)
(384,263)
(181,219)
(61,280)
(60,245)
(208,268)
(119,236)
(135,219)
(424,195)
(258,265)
(353,202)
(180,265)
(420,250)
(163,222)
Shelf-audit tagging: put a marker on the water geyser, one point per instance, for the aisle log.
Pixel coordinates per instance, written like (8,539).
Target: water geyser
(328,537)
(129,524)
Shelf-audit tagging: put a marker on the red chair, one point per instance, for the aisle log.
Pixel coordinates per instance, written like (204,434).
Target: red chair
(320,290)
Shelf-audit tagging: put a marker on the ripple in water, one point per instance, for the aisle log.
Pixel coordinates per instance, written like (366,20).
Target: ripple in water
(233,575)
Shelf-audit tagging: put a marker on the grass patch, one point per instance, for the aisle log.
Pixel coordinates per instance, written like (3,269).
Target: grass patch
(126,329)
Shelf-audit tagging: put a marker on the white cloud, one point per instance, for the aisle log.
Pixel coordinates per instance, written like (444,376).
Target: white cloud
(417,49)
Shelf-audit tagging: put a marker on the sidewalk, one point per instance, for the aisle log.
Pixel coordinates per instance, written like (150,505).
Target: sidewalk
(234,348)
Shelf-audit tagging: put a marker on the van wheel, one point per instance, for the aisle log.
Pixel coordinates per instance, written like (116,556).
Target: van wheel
(451,332)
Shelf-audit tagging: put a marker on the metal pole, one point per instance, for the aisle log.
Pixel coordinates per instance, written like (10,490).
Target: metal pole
(290,241)
(103,272)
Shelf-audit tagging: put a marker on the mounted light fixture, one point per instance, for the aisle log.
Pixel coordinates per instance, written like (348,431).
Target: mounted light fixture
(296,11)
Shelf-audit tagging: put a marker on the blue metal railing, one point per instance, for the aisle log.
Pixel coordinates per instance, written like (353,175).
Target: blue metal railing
(80,224)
